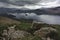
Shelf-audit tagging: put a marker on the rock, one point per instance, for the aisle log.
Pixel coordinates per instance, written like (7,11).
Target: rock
(18,34)
(45,32)
(12,34)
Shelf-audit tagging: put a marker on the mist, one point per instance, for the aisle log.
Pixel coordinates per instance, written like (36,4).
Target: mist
(49,19)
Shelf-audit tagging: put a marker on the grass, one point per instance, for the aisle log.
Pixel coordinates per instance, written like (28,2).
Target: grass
(26,26)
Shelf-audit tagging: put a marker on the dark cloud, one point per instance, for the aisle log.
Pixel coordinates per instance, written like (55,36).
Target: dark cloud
(20,2)
(3,0)
(31,4)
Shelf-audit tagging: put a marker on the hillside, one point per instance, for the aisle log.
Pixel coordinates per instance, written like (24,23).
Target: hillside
(6,20)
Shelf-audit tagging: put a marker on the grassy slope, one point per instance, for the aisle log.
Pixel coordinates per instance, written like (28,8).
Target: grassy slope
(23,26)
(6,20)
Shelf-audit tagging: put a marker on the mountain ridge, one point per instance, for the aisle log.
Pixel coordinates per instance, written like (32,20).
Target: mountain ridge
(48,11)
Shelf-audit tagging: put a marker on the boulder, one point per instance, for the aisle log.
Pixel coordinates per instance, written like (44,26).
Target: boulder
(46,33)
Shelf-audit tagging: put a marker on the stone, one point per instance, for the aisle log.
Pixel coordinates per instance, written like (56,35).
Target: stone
(44,32)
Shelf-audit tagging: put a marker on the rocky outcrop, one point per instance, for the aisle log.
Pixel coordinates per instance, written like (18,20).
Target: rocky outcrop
(38,31)
(45,31)
(12,34)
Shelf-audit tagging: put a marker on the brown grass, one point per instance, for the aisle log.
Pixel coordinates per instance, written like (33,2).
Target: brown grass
(6,20)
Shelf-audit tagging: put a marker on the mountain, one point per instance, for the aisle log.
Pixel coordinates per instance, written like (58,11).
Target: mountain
(48,11)
(52,11)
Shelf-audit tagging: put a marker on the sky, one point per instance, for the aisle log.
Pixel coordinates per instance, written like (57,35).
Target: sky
(29,4)
(33,4)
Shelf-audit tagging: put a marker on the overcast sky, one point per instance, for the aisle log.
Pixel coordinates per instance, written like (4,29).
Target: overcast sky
(30,4)
(33,4)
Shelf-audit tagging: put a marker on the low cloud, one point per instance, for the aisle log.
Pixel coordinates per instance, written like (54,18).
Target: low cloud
(49,19)
(32,16)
